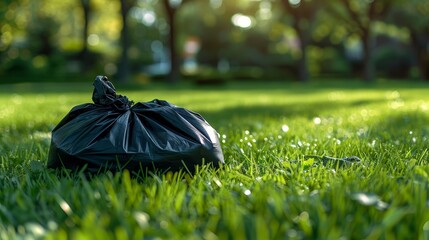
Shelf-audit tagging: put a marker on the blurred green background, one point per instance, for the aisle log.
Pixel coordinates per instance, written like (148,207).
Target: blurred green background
(213,41)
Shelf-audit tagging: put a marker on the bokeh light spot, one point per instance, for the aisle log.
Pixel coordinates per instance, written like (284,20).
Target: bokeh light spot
(242,21)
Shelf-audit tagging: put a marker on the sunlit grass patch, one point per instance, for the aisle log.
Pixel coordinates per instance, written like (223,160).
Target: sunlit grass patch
(274,184)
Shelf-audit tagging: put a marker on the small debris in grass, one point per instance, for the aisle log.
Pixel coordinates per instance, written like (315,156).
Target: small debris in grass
(331,160)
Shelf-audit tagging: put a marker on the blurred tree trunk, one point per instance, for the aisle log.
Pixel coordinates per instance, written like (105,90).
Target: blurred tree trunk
(171,12)
(174,74)
(360,15)
(84,54)
(303,73)
(303,17)
(368,62)
(124,66)
(420,43)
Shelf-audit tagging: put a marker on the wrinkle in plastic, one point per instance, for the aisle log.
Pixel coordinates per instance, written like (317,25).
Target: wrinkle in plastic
(113,133)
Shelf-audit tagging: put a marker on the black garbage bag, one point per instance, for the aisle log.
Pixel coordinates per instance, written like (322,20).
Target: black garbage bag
(114,134)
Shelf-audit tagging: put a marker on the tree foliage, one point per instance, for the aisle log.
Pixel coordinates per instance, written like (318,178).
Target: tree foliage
(360,17)
(414,15)
(113,36)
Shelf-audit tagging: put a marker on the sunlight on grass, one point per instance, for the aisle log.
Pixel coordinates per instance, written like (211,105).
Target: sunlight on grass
(270,187)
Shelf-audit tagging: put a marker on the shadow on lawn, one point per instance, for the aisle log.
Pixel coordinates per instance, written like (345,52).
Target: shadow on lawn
(278,111)
(314,86)
(401,126)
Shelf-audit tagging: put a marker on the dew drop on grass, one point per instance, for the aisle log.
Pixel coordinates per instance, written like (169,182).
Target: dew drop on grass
(65,207)
(292,234)
(35,229)
(141,218)
(369,199)
(217,181)
(285,128)
(393,95)
(366,199)
(426,227)
(247,192)
(381,205)
(52,225)
(164,224)
(97,195)
(317,120)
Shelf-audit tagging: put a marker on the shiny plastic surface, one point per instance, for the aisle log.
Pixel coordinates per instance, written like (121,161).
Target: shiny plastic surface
(115,134)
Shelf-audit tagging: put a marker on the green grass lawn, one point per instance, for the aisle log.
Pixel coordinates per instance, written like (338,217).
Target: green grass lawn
(270,186)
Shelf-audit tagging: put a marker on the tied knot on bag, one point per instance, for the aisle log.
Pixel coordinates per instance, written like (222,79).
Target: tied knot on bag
(105,94)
